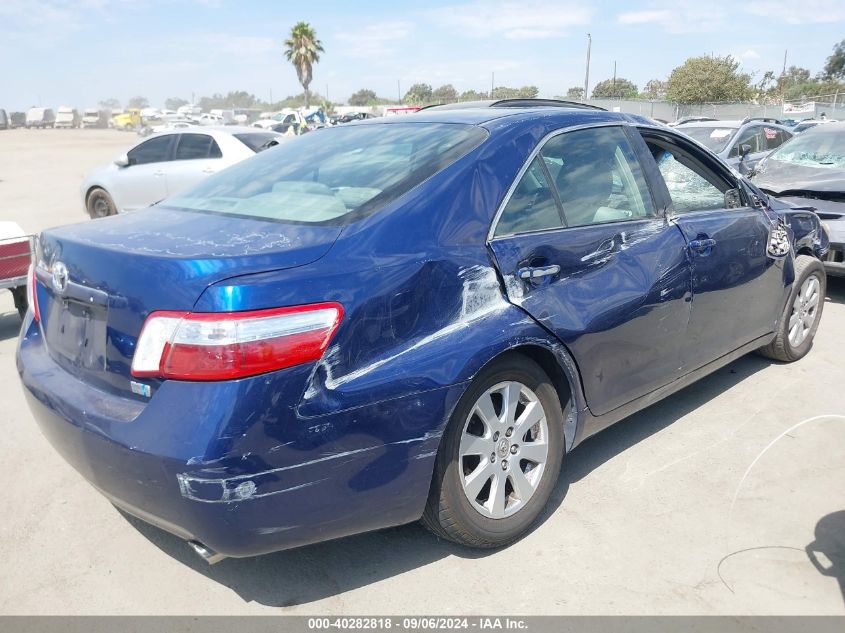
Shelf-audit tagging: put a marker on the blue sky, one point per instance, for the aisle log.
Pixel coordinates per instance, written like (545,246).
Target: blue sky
(76,52)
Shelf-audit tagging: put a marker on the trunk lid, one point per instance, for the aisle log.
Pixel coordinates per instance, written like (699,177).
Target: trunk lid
(99,280)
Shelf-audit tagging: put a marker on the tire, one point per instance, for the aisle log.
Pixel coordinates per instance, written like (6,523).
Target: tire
(809,277)
(19,295)
(478,522)
(100,204)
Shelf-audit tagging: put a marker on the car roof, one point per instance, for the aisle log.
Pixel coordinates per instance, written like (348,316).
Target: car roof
(487,115)
(732,124)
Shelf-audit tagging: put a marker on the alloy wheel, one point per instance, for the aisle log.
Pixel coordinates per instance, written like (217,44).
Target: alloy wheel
(503,449)
(804,310)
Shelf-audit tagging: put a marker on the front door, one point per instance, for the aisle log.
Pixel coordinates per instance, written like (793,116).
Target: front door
(144,181)
(584,249)
(738,290)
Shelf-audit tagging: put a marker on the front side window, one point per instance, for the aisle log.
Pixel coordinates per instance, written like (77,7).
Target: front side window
(754,138)
(343,172)
(156,150)
(691,186)
(597,176)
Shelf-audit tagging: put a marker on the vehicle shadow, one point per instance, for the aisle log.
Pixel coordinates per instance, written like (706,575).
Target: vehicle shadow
(835,289)
(827,551)
(307,574)
(10,325)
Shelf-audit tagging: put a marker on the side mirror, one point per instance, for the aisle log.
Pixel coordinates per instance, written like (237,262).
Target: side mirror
(744,150)
(733,199)
(122,161)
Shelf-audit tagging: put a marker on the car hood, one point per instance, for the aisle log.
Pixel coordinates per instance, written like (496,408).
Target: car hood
(782,178)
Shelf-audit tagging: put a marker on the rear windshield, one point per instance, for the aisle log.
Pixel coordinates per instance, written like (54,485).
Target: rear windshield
(258,141)
(713,138)
(822,147)
(333,174)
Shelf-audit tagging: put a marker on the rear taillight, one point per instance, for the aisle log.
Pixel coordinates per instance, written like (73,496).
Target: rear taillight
(31,294)
(225,345)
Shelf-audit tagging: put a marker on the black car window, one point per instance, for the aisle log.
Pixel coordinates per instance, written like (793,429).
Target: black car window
(196,146)
(156,150)
(597,176)
(532,205)
(752,136)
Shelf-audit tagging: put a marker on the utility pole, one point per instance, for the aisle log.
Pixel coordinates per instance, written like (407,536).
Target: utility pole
(783,77)
(587,74)
(613,84)
(492,84)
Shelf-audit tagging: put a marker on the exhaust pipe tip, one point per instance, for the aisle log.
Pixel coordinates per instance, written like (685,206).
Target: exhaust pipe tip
(206,553)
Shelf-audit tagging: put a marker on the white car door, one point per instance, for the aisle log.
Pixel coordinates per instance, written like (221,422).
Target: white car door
(143,181)
(196,156)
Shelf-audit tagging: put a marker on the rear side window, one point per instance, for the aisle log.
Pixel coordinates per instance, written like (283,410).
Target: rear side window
(155,150)
(597,176)
(196,146)
(343,172)
(532,205)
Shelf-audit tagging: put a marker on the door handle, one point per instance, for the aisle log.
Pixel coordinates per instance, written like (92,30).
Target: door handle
(702,245)
(535,272)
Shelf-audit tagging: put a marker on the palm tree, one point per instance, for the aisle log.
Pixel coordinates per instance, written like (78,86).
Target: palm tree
(303,49)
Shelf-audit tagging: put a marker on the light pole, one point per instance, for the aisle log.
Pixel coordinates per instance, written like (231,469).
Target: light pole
(587,74)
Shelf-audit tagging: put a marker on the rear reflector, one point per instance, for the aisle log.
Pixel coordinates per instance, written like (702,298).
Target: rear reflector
(225,345)
(31,295)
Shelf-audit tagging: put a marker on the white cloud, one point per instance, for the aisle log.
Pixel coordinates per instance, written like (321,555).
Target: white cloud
(680,16)
(748,54)
(804,12)
(531,19)
(375,41)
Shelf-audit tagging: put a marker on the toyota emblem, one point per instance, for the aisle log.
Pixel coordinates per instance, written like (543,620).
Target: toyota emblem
(60,277)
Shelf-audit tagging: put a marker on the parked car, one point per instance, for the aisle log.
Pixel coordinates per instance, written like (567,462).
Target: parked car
(354,116)
(742,144)
(806,124)
(94,118)
(39,118)
(285,118)
(169,124)
(15,258)
(67,118)
(4,120)
(167,163)
(403,318)
(809,171)
(690,119)
(17,119)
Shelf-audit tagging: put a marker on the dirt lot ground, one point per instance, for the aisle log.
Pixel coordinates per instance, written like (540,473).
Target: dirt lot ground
(703,504)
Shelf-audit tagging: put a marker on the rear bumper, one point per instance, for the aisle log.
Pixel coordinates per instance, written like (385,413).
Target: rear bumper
(229,464)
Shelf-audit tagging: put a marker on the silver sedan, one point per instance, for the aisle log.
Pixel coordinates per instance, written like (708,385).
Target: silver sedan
(167,163)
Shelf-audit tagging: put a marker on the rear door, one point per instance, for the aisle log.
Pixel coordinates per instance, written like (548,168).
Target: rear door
(196,156)
(585,250)
(738,290)
(144,181)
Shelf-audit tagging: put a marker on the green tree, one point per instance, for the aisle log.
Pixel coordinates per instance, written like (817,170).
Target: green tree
(363,97)
(835,66)
(327,107)
(708,79)
(110,104)
(620,88)
(174,103)
(138,102)
(575,92)
(418,94)
(504,92)
(445,94)
(655,89)
(528,92)
(303,49)
(472,95)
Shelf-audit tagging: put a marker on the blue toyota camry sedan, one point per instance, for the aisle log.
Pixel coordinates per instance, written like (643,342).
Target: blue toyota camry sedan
(402,319)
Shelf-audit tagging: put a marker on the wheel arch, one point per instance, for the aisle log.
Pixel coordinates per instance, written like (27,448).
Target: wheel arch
(556,361)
